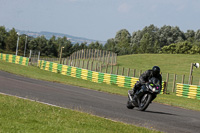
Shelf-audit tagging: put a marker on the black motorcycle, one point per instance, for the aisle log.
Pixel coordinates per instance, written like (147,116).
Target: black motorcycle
(144,96)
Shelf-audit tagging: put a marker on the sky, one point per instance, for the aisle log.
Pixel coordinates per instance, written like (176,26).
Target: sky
(98,19)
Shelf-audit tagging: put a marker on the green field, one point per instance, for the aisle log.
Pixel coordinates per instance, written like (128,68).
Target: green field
(24,116)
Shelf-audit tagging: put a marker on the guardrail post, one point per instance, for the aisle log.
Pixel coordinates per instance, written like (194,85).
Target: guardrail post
(140,72)
(117,70)
(128,73)
(199,81)
(92,66)
(87,64)
(122,70)
(167,79)
(111,69)
(174,83)
(183,77)
(134,72)
(106,68)
(83,64)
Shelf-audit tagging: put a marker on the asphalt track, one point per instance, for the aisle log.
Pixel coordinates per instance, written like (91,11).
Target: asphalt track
(157,116)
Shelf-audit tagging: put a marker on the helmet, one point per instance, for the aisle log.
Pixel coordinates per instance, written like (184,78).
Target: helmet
(156,70)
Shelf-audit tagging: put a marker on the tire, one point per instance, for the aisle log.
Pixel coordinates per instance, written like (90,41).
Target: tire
(145,101)
(129,104)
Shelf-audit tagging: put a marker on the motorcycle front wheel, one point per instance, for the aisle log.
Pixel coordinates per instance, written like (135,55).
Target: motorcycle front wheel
(129,104)
(144,102)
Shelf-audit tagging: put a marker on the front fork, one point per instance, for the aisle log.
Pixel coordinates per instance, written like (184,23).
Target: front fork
(129,95)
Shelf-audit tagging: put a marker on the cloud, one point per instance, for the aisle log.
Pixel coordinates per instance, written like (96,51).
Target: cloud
(124,8)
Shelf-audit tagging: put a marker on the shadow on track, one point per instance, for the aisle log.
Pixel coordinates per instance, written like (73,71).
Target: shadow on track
(156,112)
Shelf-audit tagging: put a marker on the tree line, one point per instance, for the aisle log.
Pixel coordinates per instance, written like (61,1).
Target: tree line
(50,48)
(151,39)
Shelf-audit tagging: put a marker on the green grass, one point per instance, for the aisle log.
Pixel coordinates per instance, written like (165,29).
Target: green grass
(178,64)
(176,101)
(20,115)
(169,63)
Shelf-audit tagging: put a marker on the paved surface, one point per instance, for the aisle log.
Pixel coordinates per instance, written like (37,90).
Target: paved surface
(158,116)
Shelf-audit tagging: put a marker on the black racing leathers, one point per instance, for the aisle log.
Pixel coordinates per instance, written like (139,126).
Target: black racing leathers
(145,77)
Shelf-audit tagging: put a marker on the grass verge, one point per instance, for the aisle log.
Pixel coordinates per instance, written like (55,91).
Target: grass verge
(20,115)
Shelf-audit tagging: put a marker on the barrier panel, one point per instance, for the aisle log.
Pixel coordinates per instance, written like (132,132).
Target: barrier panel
(14,59)
(188,91)
(98,77)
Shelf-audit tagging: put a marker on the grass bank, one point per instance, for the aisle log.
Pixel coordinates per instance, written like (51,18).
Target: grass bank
(169,63)
(20,115)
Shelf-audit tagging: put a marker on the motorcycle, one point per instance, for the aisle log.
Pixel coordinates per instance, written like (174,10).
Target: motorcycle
(144,96)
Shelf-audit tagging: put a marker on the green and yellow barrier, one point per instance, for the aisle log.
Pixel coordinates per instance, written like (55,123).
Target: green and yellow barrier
(98,77)
(188,91)
(14,59)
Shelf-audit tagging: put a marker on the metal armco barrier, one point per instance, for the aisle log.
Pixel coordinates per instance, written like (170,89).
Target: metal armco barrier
(188,91)
(98,77)
(14,59)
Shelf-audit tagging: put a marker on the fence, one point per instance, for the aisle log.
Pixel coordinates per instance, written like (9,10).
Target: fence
(94,59)
(91,55)
(188,91)
(98,77)
(14,59)
(172,79)
(106,57)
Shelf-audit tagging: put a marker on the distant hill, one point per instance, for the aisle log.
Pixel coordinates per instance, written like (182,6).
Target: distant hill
(48,35)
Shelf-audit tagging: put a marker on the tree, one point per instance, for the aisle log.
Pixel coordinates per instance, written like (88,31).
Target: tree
(76,47)
(169,35)
(3,35)
(190,34)
(33,44)
(63,42)
(178,48)
(195,49)
(52,47)
(139,37)
(197,35)
(40,44)
(183,47)
(156,47)
(11,40)
(83,45)
(136,37)
(110,45)
(123,40)
(91,45)
(145,43)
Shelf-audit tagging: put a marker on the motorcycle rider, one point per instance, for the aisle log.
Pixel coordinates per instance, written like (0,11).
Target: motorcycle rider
(144,78)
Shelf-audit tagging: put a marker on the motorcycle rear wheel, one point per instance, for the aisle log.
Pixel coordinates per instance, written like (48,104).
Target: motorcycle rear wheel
(144,102)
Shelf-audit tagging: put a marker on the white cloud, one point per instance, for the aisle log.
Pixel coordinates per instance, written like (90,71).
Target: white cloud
(124,8)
